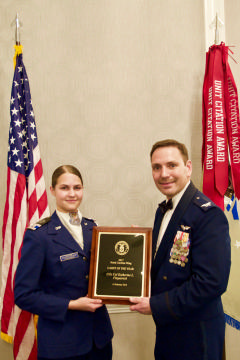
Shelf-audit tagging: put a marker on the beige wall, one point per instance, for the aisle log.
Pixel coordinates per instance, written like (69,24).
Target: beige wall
(108,78)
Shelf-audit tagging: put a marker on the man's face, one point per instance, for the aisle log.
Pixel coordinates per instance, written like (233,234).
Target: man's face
(169,171)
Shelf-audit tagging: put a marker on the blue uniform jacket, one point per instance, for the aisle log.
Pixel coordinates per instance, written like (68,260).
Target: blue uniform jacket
(189,289)
(46,281)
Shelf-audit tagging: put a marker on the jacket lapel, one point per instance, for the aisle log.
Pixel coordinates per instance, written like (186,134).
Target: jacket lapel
(62,236)
(166,242)
(87,236)
(156,228)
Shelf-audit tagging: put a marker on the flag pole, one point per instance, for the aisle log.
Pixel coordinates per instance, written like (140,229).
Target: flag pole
(18,24)
(18,47)
(216,24)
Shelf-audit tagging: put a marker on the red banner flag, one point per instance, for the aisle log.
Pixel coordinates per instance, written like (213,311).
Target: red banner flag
(221,135)
(26,202)
(233,125)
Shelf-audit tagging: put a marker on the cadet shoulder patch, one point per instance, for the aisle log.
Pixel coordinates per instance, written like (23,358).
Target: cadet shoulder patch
(39,223)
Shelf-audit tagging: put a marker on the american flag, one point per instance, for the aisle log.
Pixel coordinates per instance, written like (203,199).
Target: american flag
(26,202)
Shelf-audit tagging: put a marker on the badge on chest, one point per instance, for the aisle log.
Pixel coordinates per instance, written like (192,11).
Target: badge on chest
(69,256)
(180,249)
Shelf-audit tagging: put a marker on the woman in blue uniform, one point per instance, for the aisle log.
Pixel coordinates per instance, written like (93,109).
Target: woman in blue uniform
(52,278)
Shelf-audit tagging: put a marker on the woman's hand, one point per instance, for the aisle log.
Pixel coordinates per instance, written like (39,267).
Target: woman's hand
(85,304)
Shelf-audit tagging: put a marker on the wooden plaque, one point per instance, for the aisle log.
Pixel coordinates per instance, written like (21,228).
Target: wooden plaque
(120,263)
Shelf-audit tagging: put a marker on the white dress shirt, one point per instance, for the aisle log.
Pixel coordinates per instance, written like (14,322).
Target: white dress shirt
(75,230)
(167,216)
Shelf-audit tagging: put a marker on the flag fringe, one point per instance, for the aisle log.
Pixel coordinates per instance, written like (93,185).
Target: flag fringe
(232,322)
(18,51)
(6,338)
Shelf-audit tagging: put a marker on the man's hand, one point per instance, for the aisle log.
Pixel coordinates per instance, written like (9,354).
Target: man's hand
(142,305)
(85,304)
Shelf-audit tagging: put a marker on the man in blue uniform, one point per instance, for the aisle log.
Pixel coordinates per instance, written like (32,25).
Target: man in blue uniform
(190,264)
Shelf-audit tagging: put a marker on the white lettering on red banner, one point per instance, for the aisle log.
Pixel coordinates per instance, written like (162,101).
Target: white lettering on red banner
(219,124)
(209,158)
(234,123)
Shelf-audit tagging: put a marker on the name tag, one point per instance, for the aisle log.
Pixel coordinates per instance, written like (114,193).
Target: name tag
(69,256)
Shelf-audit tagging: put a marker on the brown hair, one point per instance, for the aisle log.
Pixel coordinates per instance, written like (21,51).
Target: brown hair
(62,170)
(170,142)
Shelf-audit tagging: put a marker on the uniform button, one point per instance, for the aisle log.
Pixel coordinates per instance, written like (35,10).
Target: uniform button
(87,277)
(84,258)
(164,277)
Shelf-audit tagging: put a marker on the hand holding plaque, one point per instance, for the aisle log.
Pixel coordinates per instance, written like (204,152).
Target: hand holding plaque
(120,263)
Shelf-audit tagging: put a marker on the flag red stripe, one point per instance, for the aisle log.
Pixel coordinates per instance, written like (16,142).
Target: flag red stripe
(21,328)
(37,204)
(32,204)
(8,298)
(33,354)
(41,203)
(6,209)
(38,171)
(7,304)
(18,196)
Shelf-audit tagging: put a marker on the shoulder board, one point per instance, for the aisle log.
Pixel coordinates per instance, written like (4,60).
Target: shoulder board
(88,219)
(203,202)
(39,223)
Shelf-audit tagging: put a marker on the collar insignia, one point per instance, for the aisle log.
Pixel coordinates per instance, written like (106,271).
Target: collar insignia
(183,227)
(207,204)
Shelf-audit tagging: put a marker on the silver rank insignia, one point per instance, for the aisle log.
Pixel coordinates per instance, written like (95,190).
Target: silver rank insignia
(207,204)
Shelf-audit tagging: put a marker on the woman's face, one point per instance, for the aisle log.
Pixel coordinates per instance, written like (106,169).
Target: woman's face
(68,192)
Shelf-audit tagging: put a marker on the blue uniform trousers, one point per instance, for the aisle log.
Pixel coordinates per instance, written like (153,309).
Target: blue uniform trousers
(95,354)
(200,340)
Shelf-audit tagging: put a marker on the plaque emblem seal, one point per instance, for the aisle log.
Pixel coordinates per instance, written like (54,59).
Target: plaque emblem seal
(121,247)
